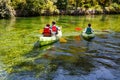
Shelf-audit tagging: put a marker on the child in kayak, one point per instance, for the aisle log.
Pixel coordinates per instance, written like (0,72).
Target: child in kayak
(54,28)
(47,31)
(89,30)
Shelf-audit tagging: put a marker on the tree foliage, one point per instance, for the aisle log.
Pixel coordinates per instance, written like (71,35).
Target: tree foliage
(62,4)
(34,7)
(51,7)
(6,11)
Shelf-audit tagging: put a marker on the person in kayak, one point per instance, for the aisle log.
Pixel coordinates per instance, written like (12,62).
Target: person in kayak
(89,30)
(54,28)
(47,31)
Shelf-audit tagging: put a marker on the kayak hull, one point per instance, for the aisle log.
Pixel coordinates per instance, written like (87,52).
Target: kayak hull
(88,36)
(50,40)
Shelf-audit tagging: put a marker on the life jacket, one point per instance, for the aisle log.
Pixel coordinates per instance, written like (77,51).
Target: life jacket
(47,31)
(54,28)
(88,30)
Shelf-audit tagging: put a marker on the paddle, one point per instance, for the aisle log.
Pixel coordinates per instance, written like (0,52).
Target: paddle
(78,29)
(41,31)
(62,40)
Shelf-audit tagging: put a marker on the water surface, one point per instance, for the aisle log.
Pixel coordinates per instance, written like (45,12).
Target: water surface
(77,59)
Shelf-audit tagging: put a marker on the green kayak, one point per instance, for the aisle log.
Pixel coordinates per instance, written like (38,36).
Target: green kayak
(50,40)
(88,36)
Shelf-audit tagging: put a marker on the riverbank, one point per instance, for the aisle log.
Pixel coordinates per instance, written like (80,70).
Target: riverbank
(90,11)
(79,12)
(30,8)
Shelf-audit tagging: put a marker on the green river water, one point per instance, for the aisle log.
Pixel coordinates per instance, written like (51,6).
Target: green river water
(76,59)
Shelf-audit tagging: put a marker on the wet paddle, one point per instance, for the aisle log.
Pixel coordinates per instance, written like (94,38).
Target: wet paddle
(41,31)
(62,40)
(78,29)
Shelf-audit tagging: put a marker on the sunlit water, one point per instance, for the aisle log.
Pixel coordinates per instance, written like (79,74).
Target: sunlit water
(77,59)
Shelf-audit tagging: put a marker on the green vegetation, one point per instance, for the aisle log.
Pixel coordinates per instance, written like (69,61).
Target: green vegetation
(27,8)
(6,11)
(19,35)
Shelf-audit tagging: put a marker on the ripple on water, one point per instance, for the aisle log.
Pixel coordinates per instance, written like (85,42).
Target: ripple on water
(100,73)
(3,73)
(76,60)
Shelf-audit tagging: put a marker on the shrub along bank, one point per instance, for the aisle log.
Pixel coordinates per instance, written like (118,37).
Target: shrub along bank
(28,8)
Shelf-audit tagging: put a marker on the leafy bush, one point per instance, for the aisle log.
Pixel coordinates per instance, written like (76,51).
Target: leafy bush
(98,9)
(50,8)
(87,5)
(116,6)
(6,11)
(36,8)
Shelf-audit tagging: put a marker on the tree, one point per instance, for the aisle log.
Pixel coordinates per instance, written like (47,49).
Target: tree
(50,8)
(6,11)
(62,4)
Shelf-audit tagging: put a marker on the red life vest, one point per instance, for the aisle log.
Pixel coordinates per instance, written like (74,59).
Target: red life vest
(54,28)
(47,31)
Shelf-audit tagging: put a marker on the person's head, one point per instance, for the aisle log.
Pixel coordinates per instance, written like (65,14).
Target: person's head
(53,23)
(48,25)
(89,25)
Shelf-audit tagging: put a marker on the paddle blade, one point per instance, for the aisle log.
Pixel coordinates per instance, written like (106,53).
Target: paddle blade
(78,29)
(77,38)
(41,31)
(62,40)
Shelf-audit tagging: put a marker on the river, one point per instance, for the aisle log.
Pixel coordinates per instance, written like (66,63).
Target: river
(76,59)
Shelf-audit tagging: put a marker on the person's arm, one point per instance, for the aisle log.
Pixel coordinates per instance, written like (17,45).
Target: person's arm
(85,30)
(57,27)
(92,30)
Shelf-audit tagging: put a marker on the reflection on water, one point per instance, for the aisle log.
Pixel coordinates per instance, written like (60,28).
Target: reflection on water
(77,59)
